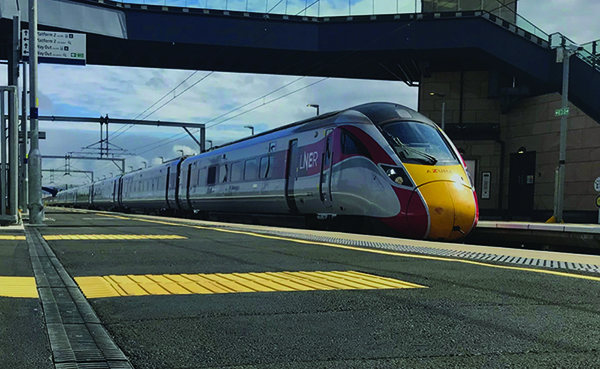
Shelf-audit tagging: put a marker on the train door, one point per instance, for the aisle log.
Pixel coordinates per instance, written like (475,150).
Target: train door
(521,184)
(115,193)
(167,187)
(326,167)
(120,190)
(291,175)
(187,187)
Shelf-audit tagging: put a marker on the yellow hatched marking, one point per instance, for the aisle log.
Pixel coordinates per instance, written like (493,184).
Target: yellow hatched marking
(23,287)
(97,287)
(113,237)
(394,283)
(209,284)
(183,284)
(316,279)
(353,281)
(294,277)
(249,283)
(275,283)
(7,237)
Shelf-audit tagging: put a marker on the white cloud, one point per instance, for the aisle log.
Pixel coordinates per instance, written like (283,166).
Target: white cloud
(186,150)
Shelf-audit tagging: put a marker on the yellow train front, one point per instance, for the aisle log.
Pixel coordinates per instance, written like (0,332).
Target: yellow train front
(427,173)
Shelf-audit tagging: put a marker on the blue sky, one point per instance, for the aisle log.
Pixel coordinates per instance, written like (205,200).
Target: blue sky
(127,92)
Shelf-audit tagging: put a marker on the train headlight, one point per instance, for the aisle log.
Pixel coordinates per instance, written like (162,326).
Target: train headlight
(398,175)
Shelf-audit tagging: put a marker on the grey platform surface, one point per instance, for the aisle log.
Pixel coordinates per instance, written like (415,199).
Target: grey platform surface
(469,314)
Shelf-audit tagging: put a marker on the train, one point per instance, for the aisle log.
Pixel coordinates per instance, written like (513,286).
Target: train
(381,163)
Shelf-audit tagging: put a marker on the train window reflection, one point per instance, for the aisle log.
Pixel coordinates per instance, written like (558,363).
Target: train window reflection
(250,170)
(419,143)
(223,173)
(236,172)
(266,166)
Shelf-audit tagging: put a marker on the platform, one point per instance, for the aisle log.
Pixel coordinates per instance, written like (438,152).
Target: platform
(561,236)
(175,293)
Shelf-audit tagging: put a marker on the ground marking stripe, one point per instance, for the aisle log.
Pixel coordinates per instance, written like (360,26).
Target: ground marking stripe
(23,287)
(183,284)
(383,252)
(6,237)
(55,237)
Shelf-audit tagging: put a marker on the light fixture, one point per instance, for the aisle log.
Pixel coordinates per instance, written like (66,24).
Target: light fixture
(314,106)
(443,96)
(522,150)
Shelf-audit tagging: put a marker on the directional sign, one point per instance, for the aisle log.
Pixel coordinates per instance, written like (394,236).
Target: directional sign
(561,112)
(597,184)
(57,47)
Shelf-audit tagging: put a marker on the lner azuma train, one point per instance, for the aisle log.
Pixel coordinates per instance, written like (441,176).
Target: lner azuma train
(380,162)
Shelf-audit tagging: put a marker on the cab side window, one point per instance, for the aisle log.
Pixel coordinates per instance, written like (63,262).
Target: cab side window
(351,145)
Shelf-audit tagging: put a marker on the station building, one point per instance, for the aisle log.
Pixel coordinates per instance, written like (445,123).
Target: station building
(510,136)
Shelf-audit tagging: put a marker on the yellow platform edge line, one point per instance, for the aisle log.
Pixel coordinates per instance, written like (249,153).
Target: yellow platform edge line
(88,237)
(219,283)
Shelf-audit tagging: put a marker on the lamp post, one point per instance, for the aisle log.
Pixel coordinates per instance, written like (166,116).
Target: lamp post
(443,96)
(162,160)
(314,106)
(181,151)
(145,164)
(131,170)
(211,144)
(251,128)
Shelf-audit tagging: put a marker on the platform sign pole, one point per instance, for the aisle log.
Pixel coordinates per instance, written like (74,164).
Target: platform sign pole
(560,188)
(36,209)
(23,146)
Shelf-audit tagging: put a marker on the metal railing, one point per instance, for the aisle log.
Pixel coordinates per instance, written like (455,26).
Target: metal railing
(588,52)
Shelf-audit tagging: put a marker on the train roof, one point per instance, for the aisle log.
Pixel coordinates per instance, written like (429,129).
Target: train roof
(378,113)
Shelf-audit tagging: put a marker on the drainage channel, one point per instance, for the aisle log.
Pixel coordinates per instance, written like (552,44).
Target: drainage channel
(77,338)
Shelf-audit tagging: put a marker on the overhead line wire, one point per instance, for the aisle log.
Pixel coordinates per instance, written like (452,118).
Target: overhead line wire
(320,68)
(214,56)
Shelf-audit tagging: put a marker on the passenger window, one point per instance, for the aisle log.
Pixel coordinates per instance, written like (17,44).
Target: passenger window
(223,173)
(212,176)
(236,172)
(201,176)
(266,166)
(352,145)
(250,170)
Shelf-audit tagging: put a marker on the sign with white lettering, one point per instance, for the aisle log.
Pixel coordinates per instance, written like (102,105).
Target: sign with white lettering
(561,112)
(56,47)
(597,184)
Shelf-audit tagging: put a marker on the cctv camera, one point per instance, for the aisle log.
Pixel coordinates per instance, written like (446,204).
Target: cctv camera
(574,47)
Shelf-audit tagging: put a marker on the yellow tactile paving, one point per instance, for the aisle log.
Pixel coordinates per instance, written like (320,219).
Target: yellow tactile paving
(180,284)
(18,287)
(84,237)
(7,237)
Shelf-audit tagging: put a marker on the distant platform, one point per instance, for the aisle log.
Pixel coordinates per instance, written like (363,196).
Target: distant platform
(564,237)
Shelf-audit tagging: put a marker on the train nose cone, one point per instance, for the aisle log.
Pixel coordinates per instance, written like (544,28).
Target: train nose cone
(451,208)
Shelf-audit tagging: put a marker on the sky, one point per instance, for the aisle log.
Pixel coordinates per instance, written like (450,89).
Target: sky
(121,92)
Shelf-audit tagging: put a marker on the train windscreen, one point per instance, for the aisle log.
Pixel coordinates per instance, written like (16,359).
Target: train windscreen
(420,143)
